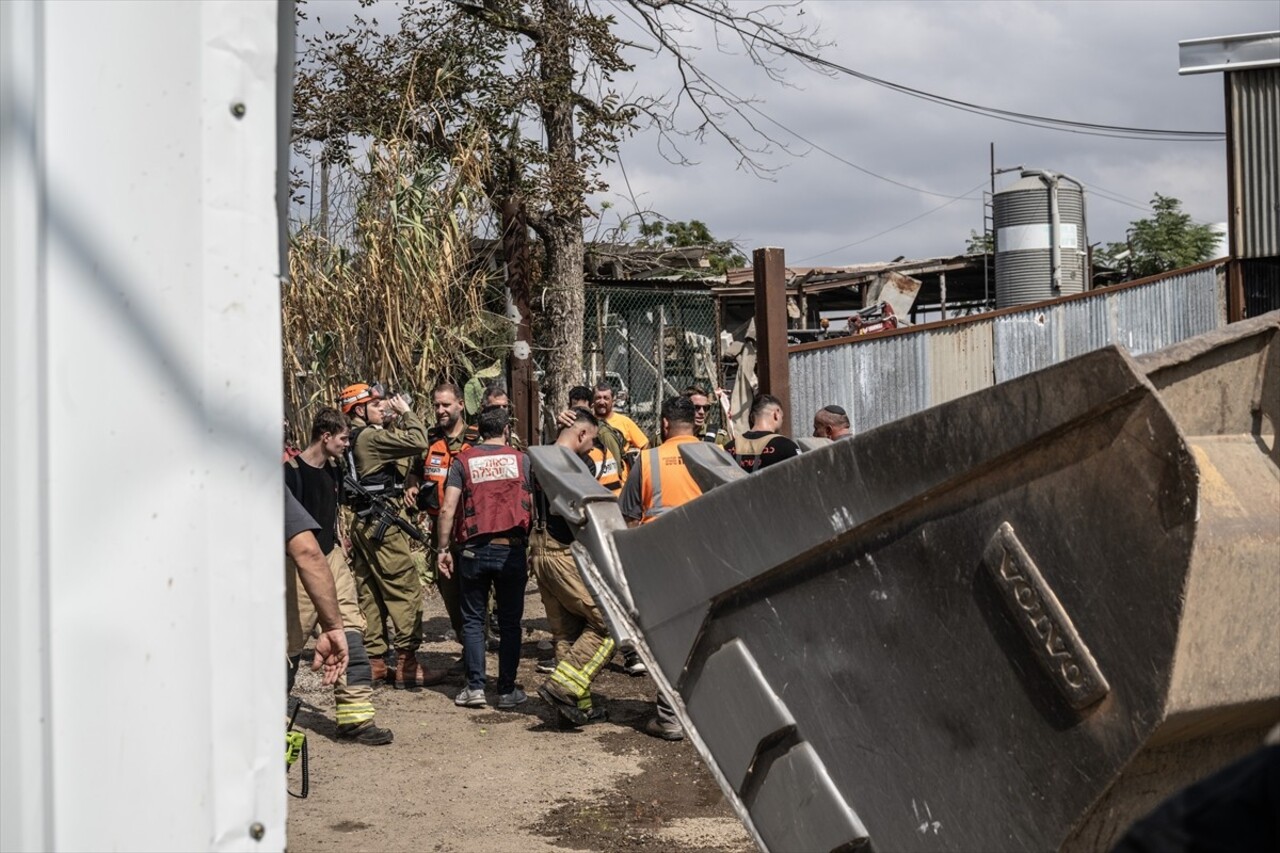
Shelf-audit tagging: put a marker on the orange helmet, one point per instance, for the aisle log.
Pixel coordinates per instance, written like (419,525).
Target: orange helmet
(357,394)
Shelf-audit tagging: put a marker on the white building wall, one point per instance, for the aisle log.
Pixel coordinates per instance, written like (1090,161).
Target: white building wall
(141,637)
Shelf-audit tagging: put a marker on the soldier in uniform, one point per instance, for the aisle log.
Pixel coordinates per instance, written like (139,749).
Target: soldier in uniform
(583,644)
(488,511)
(449,437)
(496,395)
(660,483)
(387,582)
(314,477)
(702,414)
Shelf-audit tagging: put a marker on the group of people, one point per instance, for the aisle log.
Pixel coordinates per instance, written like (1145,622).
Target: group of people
(468,494)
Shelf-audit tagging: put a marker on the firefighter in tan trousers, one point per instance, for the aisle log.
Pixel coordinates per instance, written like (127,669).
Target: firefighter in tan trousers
(314,477)
(387,582)
(586,645)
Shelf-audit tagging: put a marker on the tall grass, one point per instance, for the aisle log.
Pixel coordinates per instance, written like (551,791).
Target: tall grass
(403,301)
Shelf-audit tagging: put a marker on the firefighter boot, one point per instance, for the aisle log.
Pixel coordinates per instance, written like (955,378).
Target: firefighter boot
(380,671)
(566,706)
(410,675)
(365,733)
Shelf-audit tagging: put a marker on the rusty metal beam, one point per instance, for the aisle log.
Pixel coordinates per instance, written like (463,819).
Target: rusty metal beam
(771,328)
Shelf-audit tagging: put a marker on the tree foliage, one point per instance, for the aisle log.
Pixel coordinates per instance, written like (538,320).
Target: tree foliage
(722,254)
(979,244)
(543,82)
(1167,240)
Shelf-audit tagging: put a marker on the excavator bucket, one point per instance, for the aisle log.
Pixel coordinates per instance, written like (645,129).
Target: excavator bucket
(1014,621)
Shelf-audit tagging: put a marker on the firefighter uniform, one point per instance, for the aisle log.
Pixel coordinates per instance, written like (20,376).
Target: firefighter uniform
(353,694)
(435,471)
(583,644)
(388,585)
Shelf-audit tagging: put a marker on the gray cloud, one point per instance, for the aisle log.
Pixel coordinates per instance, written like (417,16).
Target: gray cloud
(1106,62)
(1113,63)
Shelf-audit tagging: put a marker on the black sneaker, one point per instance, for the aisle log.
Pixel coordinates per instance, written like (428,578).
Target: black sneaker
(548,666)
(365,733)
(632,664)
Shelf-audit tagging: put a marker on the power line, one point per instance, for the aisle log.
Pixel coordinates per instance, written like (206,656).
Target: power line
(834,156)
(894,228)
(1013,116)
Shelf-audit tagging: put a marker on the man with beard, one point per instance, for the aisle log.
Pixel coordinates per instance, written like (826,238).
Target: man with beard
(449,437)
(602,407)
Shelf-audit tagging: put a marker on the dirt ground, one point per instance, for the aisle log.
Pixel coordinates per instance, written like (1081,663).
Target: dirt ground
(458,780)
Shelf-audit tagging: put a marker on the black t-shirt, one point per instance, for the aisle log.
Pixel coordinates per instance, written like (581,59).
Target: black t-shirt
(296,519)
(557,527)
(317,490)
(779,449)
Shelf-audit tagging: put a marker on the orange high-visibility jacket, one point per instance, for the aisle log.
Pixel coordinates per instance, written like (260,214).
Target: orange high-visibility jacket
(665,482)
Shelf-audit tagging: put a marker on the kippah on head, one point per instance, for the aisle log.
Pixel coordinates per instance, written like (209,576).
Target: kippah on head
(835,410)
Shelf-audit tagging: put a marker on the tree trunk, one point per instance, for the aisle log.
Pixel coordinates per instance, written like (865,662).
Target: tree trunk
(562,231)
(515,248)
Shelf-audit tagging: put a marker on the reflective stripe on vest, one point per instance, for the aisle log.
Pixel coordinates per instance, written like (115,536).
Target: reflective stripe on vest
(665,483)
(436,462)
(606,467)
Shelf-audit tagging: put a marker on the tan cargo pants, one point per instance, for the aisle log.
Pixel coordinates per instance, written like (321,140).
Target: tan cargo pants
(353,694)
(583,644)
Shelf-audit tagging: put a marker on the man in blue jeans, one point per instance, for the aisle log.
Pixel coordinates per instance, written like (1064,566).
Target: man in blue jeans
(488,502)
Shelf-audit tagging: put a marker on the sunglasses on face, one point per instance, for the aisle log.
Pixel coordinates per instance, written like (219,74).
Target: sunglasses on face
(702,408)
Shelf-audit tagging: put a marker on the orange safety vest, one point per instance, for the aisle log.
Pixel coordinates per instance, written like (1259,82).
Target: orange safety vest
(608,472)
(438,458)
(665,482)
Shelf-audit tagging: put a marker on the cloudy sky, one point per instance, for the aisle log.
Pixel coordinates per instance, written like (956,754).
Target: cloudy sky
(1110,62)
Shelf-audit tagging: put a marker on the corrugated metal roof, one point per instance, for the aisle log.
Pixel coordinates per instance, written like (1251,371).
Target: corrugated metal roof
(881,378)
(1254,98)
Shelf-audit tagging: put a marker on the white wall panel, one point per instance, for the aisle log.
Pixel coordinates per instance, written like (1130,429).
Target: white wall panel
(159,341)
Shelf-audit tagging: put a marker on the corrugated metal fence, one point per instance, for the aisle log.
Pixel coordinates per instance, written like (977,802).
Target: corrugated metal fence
(878,379)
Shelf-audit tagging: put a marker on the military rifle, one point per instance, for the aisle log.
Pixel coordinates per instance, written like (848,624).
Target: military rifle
(366,504)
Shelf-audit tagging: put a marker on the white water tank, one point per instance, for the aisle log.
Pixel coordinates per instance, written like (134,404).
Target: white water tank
(1029,214)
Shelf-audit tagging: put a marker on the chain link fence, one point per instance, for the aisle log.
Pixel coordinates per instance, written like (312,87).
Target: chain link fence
(650,343)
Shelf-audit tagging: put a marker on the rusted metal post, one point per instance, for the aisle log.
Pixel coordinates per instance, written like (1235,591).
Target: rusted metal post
(515,249)
(769,266)
(1235,219)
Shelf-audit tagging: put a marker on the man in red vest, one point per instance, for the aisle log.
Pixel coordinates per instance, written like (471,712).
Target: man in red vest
(488,503)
